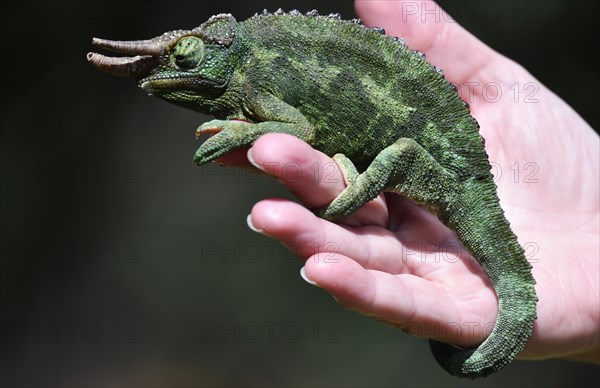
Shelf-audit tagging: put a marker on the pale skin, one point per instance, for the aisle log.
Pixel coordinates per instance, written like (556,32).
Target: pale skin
(386,259)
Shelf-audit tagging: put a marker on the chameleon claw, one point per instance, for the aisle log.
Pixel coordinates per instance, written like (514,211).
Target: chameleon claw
(206,153)
(203,130)
(215,126)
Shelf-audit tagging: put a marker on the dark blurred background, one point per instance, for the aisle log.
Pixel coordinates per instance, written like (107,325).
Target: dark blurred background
(124,264)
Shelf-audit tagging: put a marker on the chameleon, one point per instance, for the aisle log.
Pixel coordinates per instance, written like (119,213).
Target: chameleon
(390,120)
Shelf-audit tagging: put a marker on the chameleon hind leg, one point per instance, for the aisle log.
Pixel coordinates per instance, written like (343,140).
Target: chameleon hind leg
(404,167)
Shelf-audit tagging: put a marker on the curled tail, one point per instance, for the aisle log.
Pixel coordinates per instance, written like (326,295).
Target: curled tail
(513,327)
(484,230)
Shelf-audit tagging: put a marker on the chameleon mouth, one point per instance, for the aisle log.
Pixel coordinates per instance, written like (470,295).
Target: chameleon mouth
(178,83)
(154,84)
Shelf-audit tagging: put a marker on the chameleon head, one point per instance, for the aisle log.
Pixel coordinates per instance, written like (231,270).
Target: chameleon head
(187,67)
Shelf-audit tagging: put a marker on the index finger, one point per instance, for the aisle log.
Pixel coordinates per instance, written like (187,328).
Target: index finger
(310,175)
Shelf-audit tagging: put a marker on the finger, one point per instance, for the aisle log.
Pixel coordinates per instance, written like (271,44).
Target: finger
(414,304)
(236,158)
(427,28)
(299,166)
(371,247)
(309,174)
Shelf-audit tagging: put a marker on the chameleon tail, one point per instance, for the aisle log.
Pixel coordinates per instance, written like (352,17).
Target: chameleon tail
(504,343)
(503,260)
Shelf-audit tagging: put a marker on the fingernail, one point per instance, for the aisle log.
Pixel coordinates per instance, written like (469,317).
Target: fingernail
(251,225)
(306,279)
(251,159)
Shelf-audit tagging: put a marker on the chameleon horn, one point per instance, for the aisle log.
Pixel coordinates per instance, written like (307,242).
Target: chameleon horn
(122,66)
(137,47)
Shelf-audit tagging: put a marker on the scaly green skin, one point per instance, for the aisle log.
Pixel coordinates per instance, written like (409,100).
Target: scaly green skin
(392,120)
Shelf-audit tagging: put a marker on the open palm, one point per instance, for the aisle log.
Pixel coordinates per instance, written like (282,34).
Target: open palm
(396,262)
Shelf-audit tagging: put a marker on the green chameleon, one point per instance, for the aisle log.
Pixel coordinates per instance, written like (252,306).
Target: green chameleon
(391,120)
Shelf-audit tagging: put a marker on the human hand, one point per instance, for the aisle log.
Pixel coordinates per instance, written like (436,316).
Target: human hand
(388,259)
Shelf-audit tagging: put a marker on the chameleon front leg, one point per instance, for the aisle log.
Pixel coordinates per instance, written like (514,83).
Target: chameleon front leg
(404,167)
(270,115)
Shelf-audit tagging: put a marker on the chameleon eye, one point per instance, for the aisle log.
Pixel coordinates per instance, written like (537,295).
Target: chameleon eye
(187,53)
